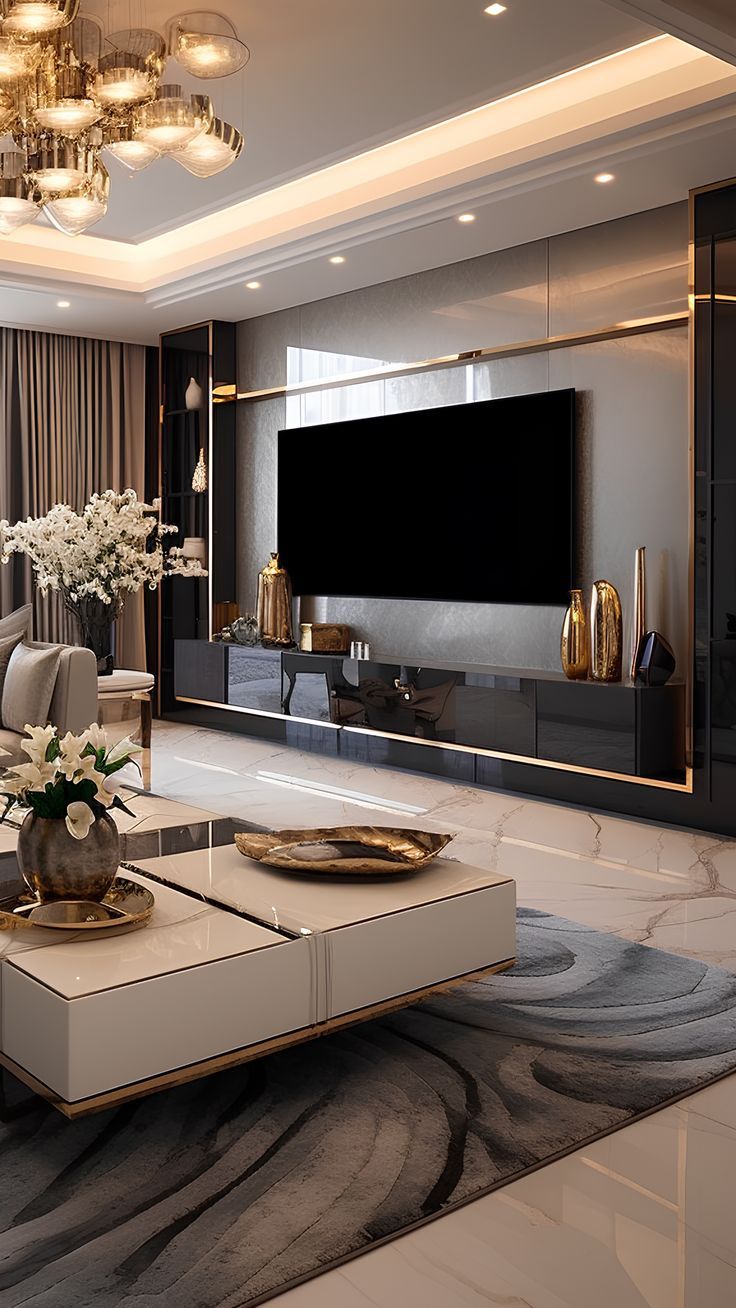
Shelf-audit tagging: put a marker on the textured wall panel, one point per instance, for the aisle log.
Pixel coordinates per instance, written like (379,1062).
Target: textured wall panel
(632,417)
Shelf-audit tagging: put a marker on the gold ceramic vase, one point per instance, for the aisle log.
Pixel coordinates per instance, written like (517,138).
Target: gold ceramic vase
(574,644)
(606,633)
(274,605)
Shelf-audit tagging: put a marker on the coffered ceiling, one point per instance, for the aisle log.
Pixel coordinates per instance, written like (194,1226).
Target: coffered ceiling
(328,79)
(370,126)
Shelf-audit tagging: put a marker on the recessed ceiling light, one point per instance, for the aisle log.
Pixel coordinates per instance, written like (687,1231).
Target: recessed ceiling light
(63,304)
(603,178)
(495,10)
(253,286)
(337,258)
(466,217)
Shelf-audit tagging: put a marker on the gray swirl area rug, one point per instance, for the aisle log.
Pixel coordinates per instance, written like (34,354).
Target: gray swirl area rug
(221,1193)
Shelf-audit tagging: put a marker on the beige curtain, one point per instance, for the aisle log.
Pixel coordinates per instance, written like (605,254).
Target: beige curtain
(72,422)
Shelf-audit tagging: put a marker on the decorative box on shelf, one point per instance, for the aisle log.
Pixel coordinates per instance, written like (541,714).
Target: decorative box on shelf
(324,638)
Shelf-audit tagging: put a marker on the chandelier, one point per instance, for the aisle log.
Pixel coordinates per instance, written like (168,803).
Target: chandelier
(70,93)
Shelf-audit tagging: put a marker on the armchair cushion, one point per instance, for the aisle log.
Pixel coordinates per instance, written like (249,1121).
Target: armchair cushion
(29,685)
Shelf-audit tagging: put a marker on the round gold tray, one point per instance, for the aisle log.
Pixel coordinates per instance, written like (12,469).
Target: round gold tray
(126,905)
(345,851)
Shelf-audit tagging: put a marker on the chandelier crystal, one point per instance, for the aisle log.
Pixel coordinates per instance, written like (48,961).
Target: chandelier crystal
(18,58)
(122,143)
(31,17)
(172,121)
(122,80)
(81,208)
(213,151)
(17,206)
(69,92)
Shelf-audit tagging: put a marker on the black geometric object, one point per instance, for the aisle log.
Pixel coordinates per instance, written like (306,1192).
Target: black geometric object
(655,660)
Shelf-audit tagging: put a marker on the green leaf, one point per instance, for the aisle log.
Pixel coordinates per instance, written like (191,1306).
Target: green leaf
(118,803)
(53,750)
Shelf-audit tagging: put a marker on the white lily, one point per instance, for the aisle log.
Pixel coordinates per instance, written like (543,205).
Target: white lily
(79,819)
(87,771)
(124,749)
(95,736)
(35,776)
(70,758)
(39,740)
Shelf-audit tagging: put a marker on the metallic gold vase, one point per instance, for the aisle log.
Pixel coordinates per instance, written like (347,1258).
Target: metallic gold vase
(574,644)
(606,633)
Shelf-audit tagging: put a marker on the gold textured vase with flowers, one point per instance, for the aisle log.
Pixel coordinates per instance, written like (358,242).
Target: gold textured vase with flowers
(574,643)
(606,633)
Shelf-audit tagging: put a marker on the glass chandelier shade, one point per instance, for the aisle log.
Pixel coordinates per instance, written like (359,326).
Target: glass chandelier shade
(209,55)
(73,93)
(213,151)
(17,206)
(31,17)
(58,167)
(172,121)
(122,143)
(124,80)
(18,58)
(66,108)
(79,210)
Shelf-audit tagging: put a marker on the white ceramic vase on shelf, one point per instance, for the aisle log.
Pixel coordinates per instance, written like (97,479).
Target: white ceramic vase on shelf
(194,396)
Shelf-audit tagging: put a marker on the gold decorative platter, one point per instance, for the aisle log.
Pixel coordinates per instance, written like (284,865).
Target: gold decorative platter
(345,851)
(126,906)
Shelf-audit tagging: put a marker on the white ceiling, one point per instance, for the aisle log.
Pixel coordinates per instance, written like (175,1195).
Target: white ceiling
(330,78)
(348,85)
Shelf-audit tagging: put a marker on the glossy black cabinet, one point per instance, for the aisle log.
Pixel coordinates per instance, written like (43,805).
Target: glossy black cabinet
(621,730)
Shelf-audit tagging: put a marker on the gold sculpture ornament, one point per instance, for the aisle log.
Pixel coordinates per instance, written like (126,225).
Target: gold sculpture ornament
(274,605)
(574,643)
(606,633)
(640,608)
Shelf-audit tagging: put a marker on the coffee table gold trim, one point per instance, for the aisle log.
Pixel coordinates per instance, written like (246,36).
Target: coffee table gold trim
(221,1062)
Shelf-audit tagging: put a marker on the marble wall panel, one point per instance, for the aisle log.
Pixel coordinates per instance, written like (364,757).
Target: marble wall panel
(634,267)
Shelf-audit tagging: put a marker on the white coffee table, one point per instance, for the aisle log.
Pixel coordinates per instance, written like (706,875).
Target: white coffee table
(238,960)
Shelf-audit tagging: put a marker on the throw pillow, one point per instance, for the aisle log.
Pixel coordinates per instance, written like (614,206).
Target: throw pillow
(19,623)
(29,686)
(6,649)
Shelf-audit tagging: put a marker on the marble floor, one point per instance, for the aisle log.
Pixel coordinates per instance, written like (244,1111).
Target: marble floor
(642,1219)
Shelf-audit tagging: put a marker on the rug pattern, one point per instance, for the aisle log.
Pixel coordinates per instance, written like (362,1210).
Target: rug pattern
(221,1193)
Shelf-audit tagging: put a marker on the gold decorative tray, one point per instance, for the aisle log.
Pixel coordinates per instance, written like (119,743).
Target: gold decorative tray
(345,851)
(126,905)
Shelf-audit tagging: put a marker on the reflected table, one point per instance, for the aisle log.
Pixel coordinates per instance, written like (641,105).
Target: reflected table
(238,960)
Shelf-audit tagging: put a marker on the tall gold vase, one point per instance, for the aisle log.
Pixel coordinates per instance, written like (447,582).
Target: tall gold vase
(606,633)
(574,644)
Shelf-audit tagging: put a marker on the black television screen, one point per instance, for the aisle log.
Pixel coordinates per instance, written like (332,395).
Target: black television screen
(469,502)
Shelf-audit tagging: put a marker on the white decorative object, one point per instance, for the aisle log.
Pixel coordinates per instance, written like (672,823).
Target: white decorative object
(195,547)
(194,396)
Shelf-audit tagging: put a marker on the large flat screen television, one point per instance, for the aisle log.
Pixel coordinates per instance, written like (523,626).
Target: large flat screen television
(471,502)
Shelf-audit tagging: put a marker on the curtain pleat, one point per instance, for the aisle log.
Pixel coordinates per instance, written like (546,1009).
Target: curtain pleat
(72,422)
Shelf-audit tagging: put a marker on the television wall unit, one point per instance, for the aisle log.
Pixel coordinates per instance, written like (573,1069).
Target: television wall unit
(471,503)
(522,715)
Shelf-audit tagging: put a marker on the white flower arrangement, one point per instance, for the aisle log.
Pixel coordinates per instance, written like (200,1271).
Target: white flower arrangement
(110,550)
(75,779)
